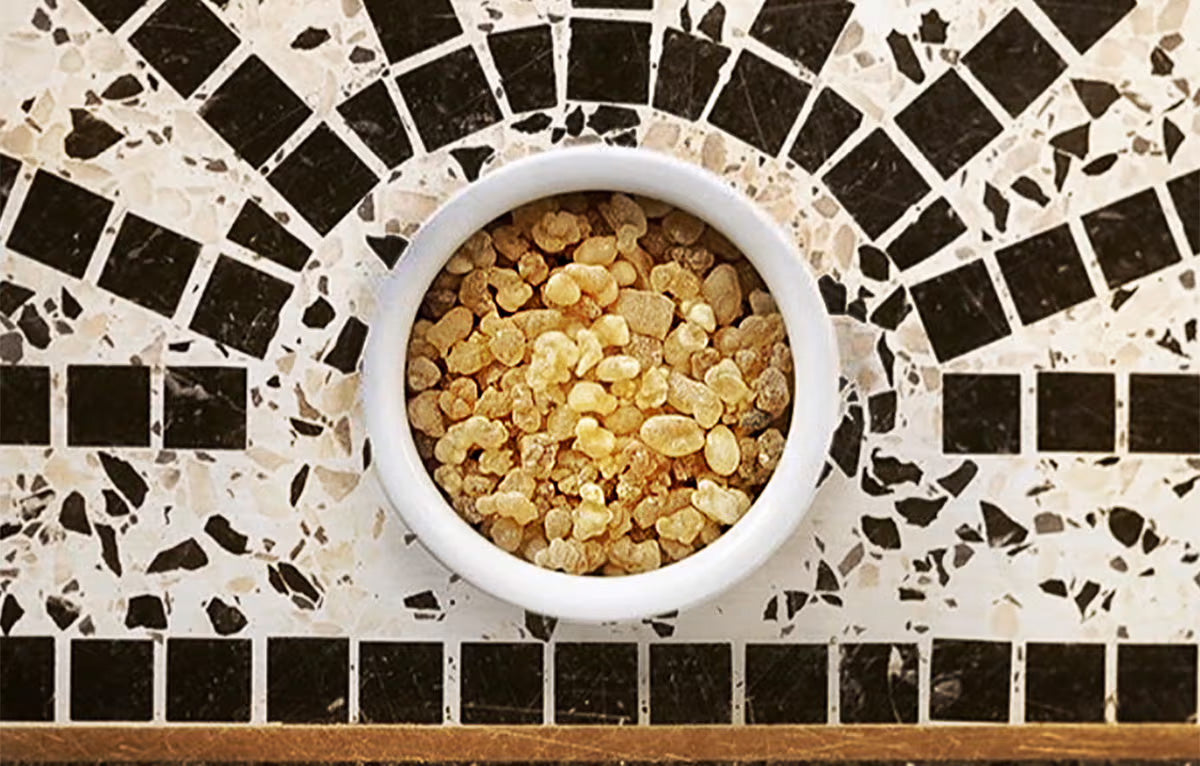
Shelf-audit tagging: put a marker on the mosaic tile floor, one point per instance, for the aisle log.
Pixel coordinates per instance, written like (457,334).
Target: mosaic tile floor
(1001,199)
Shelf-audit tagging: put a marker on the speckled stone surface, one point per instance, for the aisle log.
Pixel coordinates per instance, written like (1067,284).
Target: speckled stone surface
(198,200)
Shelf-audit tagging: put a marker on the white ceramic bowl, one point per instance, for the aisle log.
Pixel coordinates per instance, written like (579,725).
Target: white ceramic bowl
(780,505)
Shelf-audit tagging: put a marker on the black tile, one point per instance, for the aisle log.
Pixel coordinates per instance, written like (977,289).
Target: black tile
(347,349)
(10,167)
(878,683)
(595,683)
(1044,274)
(406,27)
(323,179)
(185,42)
(1076,412)
(1064,683)
(687,73)
(308,680)
(256,230)
(208,679)
(1185,193)
(254,111)
(1156,683)
(759,104)
(26,679)
(240,306)
(108,405)
(829,123)
(449,98)
(149,265)
(690,683)
(112,13)
(960,311)
(111,680)
(500,683)
(786,683)
(805,32)
(372,114)
(981,413)
(876,183)
(948,123)
(1083,22)
(59,224)
(400,682)
(609,61)
(1164,413)
(524,57)
(24,404)
(934,228)
(1013,45)
(970,680)
(1130,238)
(204,408)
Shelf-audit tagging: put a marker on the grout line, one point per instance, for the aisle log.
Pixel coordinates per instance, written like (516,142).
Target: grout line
(737,682)
(1091,264)
(833,682)
(491,75)
(352,698)
(104,245)
(560,43)
(548,686)
(658,33)
(1110,682)
(451,688)
(158,679)
(62,679)
(157,394)
(258,679)
(924,678)
(1027,402)
(643,682)
(1174,222)
(135,22)
(1016,701)
(337,123)
(1120,413)
(16,197)
(406,118)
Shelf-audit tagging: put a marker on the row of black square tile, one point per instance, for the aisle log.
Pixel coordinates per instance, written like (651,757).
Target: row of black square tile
(1045,273)
(1076,412)
(308,681)
(109,406)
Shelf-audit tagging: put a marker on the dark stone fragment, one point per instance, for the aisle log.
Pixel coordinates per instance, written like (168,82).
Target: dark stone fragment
(185,555)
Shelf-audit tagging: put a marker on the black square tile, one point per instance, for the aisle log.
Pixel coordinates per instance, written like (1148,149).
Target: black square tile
(829,123)
(372,114)
(687,73)
(1130,238)
(981,414)
(108,406)
(948,123)
(1044,274)
(1156,683)
(449,98)
(255,230)
(400,682)
(690,683)
(960,311)
(1076,412)
(609,61)
(240,306)
(805,32)
(524,57)
(1064,683)
(24,404)
(878,683)
(111,680)
(185,42)
(500,683)
(406,27)
(1013,45)
(348,347)
(204,408)
(254,111)
(934,228)
(1185,193)
(10,167)
(759,104)
(595,683)
(970,680)
(59,224)
(876,183)
(1164,413)
(26,679)
(323,179)
(149,265)
(113,13)
(208,679)
(1083,22)
(308,680)
(786,683)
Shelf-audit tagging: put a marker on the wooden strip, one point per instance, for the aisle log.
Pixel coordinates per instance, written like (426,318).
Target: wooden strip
(33,743)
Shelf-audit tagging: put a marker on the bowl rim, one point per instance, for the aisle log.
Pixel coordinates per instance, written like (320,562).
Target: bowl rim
(780,505)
